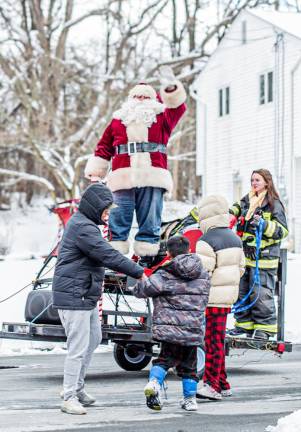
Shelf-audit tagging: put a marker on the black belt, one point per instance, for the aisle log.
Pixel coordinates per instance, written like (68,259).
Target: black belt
(140,147)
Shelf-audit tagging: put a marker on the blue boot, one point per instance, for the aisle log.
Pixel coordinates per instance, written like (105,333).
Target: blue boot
(188,403)
(153,388)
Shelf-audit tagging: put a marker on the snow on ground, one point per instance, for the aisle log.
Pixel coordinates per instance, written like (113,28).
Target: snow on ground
(290,423)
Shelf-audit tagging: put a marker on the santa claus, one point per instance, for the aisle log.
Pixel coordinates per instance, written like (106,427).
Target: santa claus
(135,142)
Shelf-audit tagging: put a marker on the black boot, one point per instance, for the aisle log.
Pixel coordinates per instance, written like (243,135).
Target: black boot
(239,331)
(146,261)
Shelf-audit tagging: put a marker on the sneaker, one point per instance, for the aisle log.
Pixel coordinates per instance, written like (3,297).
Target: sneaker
(152,394)
(226,393)
(208,392)
(239,331)
(189,404)
(84,398)
(73,406)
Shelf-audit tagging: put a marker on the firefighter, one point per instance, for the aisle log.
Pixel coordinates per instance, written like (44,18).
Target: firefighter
(261,204)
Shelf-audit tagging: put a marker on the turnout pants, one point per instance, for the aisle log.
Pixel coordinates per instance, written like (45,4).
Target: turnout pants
(83,331)
(262,315)
(183,358)
(215,370)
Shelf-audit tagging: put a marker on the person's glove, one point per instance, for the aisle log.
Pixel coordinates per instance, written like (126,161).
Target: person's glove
(254,223)
(250,252)
(166,76)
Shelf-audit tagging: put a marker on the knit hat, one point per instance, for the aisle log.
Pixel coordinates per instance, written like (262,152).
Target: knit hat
(143,90)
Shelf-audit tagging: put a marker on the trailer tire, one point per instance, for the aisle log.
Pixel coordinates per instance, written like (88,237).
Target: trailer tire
(129,358)
(200,362)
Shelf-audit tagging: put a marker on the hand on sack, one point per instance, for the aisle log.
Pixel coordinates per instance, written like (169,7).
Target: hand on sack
(250,252)
(166,76)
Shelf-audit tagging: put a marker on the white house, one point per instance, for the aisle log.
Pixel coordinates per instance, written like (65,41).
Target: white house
(249,110)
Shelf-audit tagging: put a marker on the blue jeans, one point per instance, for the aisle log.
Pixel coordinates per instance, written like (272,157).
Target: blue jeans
(148,204)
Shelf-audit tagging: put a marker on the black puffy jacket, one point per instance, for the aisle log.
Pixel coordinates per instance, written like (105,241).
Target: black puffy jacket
(83,254)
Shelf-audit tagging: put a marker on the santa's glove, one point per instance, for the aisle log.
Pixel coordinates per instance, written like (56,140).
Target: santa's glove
(167,78)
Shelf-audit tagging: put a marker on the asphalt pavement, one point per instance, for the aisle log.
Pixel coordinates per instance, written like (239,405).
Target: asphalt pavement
(265,388)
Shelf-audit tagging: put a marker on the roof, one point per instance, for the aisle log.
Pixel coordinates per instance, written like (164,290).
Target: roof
(290,22)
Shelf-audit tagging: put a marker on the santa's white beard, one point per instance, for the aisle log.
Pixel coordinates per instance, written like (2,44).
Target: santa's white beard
(144,111)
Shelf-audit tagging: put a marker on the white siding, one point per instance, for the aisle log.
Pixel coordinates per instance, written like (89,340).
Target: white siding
(245,139)
(298,206)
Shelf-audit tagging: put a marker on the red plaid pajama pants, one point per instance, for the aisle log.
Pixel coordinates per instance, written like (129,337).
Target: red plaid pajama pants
(215,371)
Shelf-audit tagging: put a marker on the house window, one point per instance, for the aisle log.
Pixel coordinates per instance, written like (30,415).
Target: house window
(224,101)
(266,88)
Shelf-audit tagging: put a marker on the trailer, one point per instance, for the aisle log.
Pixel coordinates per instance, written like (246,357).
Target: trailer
(129,329)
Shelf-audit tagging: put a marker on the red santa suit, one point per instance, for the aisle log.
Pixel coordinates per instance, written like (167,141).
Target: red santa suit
(148,124)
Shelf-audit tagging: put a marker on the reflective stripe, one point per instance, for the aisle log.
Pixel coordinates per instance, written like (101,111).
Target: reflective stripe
(270,229)
(194,213)
(248,325)
(267,216)
(285,230)
(264,243)
(235,209)
(272,328)
(263,263)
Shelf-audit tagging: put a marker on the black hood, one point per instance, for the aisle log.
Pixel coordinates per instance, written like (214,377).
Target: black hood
(95,199)
(188,266)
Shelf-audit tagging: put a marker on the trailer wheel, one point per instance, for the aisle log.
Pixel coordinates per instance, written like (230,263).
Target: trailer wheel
(131,357)
(200,362)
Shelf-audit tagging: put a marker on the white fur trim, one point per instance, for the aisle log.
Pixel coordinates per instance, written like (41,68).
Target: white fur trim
(143,90)
(142,248)
(96,167)
(128,178)
(137,131)
(121,246)
(175,98)
(141,160)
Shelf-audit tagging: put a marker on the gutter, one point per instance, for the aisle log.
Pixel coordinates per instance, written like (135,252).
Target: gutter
(193,93)
(293,164)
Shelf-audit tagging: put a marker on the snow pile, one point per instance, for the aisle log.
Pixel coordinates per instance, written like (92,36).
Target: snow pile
(28,233)
(290,423)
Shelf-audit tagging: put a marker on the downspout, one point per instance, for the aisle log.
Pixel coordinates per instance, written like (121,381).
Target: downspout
(193,93)
(293,164)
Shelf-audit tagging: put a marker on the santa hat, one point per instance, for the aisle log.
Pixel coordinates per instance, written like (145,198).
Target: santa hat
(143,89)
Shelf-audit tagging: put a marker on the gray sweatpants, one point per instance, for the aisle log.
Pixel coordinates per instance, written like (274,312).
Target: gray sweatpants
(83,331)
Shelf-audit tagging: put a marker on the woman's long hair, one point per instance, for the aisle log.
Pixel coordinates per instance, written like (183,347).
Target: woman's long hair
(272,194)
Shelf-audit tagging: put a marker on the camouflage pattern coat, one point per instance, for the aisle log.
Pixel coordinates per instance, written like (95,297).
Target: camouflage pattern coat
(180,292)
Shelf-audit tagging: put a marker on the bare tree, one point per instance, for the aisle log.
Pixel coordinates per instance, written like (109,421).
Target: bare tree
(56,98)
